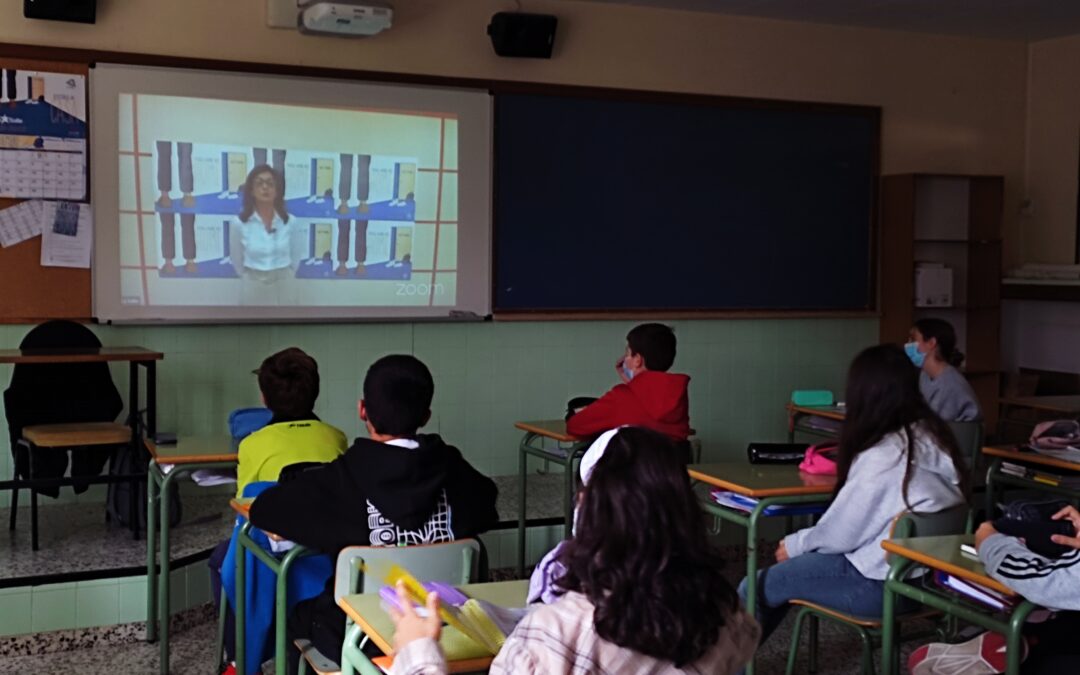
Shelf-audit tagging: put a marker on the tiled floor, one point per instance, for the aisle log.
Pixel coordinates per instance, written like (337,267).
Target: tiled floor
(76,538)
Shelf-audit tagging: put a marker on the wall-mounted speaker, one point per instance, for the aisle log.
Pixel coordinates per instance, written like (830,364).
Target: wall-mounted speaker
(80,11)
(523,35)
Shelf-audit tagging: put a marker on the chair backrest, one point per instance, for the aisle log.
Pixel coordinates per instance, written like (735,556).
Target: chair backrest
(361,569)
(952,520)
(293,471)
(969,436)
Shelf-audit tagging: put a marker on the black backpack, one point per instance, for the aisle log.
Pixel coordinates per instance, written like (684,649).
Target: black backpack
(118,505)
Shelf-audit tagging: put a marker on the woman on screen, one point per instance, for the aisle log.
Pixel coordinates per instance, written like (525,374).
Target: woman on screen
(265,238)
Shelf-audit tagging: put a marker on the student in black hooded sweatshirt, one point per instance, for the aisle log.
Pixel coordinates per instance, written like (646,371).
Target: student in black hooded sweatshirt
(413,487)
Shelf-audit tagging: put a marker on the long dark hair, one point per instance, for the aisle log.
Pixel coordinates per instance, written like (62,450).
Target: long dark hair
(641,556)
(248,190)
(883,397)
(942,331)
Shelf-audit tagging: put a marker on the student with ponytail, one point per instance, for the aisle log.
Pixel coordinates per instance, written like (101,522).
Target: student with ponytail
(932,348)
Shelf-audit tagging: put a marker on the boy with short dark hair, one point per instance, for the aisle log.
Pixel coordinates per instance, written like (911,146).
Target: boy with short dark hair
(648,397)
(289,386)
(395,488)
(289,383)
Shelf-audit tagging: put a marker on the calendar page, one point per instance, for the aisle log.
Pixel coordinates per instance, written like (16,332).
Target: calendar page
(42,135)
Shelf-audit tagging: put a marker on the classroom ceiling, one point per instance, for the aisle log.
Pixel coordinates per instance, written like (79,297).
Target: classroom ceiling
(1025,20)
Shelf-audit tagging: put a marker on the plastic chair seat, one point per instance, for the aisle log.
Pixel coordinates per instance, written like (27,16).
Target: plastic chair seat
(77,435)
(318,662)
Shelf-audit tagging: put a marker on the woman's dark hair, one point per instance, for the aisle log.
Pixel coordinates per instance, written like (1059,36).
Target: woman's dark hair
(942,331)
(641,554)
(248,190)
(883,397)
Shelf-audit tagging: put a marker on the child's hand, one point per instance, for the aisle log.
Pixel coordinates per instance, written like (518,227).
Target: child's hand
(408,625)
(1073,516)
(781,552)
(985,530)
(620,371)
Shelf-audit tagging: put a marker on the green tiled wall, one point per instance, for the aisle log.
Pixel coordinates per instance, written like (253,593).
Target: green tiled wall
(102,602)
(488,375)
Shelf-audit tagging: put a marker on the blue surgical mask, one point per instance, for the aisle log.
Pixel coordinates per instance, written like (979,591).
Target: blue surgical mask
(629,373)
(917,357)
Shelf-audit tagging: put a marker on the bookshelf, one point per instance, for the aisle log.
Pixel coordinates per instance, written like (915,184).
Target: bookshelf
(954,220)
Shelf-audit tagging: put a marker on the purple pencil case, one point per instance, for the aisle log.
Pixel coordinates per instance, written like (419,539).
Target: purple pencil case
(447,594)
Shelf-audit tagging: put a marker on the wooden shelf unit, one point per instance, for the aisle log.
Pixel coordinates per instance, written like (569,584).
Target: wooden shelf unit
(955,220)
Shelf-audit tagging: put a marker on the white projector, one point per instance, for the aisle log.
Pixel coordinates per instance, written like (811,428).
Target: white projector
(358,18)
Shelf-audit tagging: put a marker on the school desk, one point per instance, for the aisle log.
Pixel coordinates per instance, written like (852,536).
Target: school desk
(134,356)
(167,463)
(370,619)
(772,485)
(1044,407)
(995,476)
(943,553)
(568,451)
(801,417)
(280,567)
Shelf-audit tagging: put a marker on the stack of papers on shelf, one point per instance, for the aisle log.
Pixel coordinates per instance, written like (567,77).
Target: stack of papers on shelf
(734,500)
(1040,476)
(981,594)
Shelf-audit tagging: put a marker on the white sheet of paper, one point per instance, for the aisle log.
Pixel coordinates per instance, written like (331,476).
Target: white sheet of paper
(61,250)
(20,222)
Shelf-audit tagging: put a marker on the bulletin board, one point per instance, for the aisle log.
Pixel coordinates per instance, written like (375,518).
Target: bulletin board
(30,293)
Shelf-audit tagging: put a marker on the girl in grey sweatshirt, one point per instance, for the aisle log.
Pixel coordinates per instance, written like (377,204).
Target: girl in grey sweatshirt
(895,455)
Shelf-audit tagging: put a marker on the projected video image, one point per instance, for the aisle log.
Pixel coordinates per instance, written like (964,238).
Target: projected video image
(238,203)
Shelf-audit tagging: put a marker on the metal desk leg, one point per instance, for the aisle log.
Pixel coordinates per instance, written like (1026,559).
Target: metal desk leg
(568,494)
(281,607)
(152,474)
(889,656)
(353,659)
(751,566)
(151,399)
(240,601)
(523,462)
(991,474)
(1014,638)
(164,568)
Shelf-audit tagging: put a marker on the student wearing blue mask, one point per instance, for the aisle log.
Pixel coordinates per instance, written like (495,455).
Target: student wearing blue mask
(932,348)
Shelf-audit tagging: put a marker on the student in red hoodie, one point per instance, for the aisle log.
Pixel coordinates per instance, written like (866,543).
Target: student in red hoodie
(649,396)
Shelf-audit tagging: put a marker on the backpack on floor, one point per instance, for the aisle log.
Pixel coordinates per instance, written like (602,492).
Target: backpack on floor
(118,505)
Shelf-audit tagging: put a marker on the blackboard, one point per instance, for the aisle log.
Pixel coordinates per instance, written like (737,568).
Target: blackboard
(629,202)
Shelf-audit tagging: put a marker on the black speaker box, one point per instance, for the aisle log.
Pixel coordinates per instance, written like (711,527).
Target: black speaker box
(80,11)
(523,35)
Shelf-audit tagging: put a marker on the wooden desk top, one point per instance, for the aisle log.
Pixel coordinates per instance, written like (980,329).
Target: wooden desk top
(92,355)
(1066,405)
(553,429)
(1028,457)
(366,610)
(943,553)
(194,450)
(831,412)
(762,480)
(242,505)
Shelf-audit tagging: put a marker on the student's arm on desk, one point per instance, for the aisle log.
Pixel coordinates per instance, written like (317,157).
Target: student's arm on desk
(842,528)
(1050,583)
(472,497)
(599,416)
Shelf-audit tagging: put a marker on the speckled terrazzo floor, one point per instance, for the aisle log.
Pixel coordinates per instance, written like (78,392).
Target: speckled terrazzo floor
(74,538)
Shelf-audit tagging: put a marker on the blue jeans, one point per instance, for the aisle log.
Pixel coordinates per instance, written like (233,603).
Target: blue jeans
(822,578)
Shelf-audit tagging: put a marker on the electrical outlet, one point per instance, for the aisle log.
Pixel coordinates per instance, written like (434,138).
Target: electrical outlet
(281,13)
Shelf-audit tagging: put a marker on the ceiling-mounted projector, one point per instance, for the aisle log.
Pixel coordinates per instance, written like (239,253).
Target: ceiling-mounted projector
(347,18)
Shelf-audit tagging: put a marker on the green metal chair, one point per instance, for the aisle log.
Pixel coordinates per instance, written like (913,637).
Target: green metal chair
(361,569)
(970,436)
(907,524)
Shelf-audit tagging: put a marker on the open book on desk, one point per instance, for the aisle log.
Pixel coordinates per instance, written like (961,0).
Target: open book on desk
(475,628)
(734,500)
